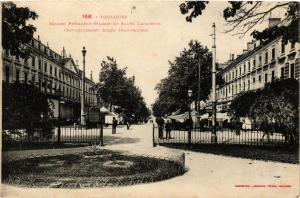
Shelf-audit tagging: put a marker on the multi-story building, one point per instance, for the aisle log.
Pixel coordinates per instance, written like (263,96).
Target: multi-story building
(53,73)
(259,64)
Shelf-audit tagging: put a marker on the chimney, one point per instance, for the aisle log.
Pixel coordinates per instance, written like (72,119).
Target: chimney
(47,44)
(273,22)
(91,76)
(38,38)
(232,57)
(63,53)
(250,46)
(245,51)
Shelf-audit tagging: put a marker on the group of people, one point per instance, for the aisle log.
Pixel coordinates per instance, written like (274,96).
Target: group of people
(163,125)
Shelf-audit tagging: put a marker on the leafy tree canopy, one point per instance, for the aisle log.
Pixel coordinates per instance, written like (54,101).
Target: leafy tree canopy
(183,75)
(243,16)
(114,88)
(25,107)
(15,30)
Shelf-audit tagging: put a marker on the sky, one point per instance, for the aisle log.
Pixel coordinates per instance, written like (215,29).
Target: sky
(145,54)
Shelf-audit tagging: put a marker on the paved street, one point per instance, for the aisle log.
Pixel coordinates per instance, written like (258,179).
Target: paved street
(207,176)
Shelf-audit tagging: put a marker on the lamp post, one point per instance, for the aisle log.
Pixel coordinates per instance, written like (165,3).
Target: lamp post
(214,110)
(190,92)
(83,121)
(59,115)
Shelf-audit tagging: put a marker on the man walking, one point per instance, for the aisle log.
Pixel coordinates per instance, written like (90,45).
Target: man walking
(168,130)
(160,123)
(114,125)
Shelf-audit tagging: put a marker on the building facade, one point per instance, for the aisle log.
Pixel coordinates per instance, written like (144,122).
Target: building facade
(54,74)
(258,65)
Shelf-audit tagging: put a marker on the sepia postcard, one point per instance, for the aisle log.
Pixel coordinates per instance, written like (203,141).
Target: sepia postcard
(150,99)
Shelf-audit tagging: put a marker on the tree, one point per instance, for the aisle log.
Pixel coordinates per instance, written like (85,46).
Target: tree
(116,89)
(275,106)
(240,106)
(243,16)
(15,30)
(25,107)
(183,75)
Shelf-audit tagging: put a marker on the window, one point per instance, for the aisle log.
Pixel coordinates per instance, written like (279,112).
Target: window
(259,60)
(297,68)
(248,84)
(292,45)
(273,76)
(17,75)
(266,57)
(292,71)
(240,71)
(40,64)
(244,85)
(233,75)
(282,48)
(259,78)
(254,63)
(50,69)
(6,52)
(55,71)
(33,79)
(273,53)
(45,66)
(253,80)
(25,77)
(6,74)
(266,78)
(282,73)
(286,71)
(244,68)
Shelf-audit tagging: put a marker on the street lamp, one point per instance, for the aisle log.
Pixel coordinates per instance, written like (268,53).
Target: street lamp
(83,122)
(190,92)
(214,109)
(59,94)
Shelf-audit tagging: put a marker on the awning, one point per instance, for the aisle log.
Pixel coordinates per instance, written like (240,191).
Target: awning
(104,110)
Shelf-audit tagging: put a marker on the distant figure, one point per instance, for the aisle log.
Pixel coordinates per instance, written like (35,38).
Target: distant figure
(114,125)
(128,124)
(168,130)
(160,123)
(266,130)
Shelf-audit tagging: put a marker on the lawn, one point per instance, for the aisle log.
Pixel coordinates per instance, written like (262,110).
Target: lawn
(90,169)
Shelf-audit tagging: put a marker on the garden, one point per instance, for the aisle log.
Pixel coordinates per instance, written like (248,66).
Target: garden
(93,168)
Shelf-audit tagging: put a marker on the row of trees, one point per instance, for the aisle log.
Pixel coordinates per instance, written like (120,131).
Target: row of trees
(183,75)
(275,107)
(115,89)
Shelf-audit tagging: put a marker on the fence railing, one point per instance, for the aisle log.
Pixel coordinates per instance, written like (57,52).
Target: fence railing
(63,134)
(224,136)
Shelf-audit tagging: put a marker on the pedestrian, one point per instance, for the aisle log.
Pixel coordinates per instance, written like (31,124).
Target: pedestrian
(114,125)
(168,129)
(160,123)
(128,124)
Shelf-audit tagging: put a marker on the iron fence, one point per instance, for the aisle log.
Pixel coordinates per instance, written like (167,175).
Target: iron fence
(63,134)
(224,136)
